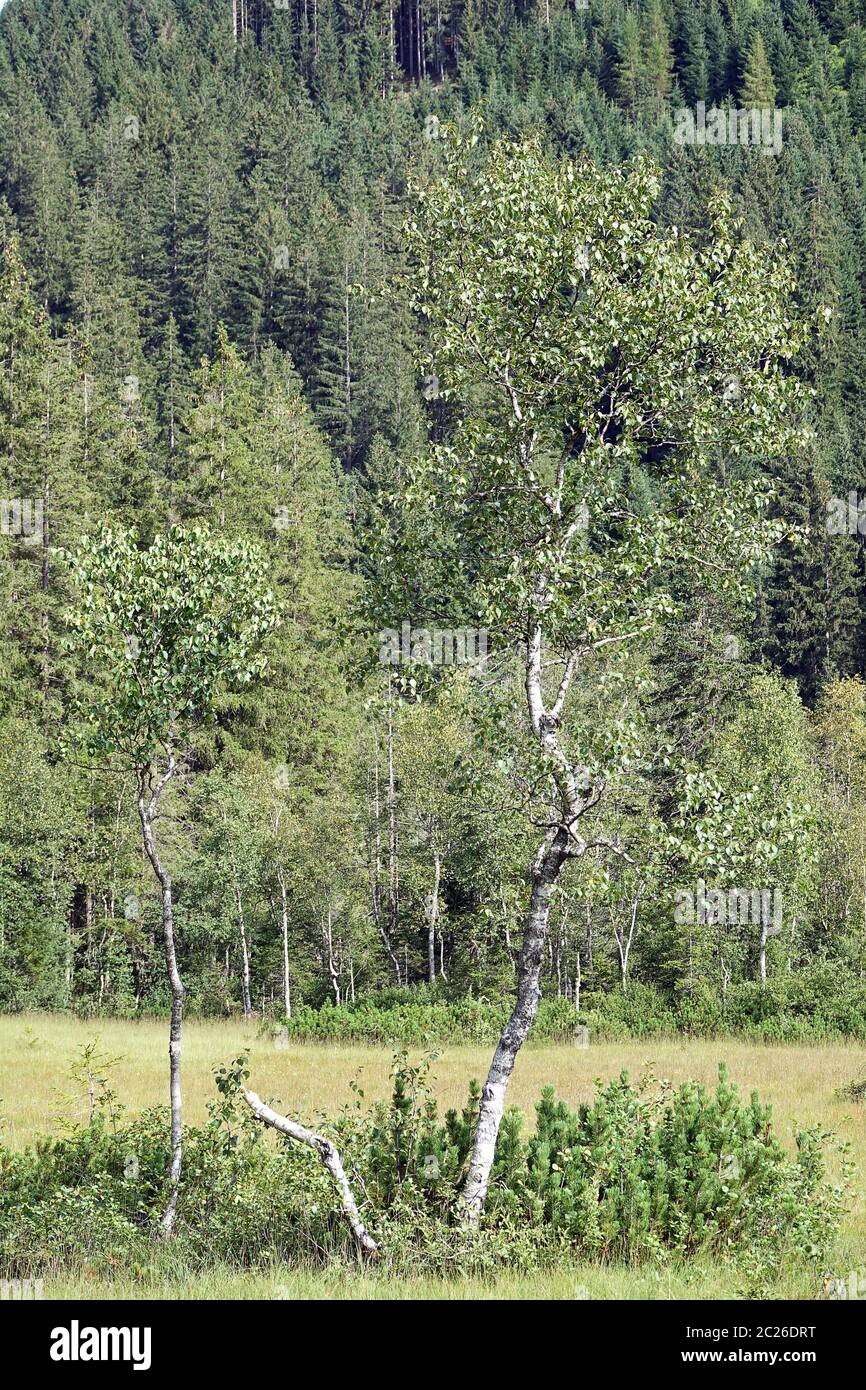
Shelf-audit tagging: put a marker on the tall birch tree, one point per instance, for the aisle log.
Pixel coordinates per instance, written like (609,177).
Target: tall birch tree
(579,346)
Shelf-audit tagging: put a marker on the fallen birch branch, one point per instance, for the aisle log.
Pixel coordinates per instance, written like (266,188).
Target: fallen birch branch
(330,1157)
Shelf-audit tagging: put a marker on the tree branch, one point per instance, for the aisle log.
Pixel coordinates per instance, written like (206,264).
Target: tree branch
(329,1155)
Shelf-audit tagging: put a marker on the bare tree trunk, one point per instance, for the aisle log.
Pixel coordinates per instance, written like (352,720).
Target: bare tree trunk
(332,969)
(768,928)
(545,872)
(347,335)
(762,953)
(287,992)
(624,943)
(246,995)
(439,37)
(433,918)
(330,1156)
(147,811)
(508,946)
(393,835)
(376,868)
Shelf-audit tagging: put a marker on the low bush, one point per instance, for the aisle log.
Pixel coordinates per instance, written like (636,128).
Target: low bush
(416,1016)
(823,1002)
(640,1173)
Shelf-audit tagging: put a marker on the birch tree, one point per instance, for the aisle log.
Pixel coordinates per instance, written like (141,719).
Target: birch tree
(433,739)
(579,346)
(167,629)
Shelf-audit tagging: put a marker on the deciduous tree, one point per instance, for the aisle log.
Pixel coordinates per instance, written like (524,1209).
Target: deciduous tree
(170,626)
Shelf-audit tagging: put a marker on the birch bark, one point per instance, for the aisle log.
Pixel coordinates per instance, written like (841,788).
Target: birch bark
(330,1156)
(147,808)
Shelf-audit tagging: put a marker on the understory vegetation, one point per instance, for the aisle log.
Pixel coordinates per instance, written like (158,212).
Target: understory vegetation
(644,1173)
(819,1004)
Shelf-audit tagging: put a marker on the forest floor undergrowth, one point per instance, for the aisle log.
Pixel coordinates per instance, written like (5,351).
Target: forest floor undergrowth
(802,1083)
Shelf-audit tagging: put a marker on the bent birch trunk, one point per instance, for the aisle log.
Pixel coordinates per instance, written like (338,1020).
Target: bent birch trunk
(545,873)
(573,797)
(329,1155)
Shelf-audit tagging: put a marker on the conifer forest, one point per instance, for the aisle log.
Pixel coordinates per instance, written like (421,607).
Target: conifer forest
(433,650)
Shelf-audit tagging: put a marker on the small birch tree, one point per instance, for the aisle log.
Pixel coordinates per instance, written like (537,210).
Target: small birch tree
(167,630)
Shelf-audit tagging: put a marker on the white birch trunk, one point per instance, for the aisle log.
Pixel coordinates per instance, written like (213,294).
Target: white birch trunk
(376,869)
(562,842)
(433,919)
(245,956)
(393,836)
(287,991)
(762,951)
(330,1156)
(332,968)
(545,873)
(147,811)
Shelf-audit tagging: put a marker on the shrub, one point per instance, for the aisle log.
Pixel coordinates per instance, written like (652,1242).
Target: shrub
(417,1017)
(635,1176)
(642,1012)
(640,1173)
(823,1002)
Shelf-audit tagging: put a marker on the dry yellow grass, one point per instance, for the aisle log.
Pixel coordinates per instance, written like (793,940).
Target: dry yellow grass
(801,1083)
(311,1079)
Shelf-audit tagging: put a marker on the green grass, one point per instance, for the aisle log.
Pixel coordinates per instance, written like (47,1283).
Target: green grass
(802,1084)
(289,1284)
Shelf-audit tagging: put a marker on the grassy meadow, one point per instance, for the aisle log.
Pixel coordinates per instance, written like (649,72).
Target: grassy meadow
(801,1083)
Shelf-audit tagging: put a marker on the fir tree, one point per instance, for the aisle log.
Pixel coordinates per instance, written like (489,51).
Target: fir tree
(758,87)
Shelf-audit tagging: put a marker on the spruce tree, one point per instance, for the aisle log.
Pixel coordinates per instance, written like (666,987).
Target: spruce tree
(758,87)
